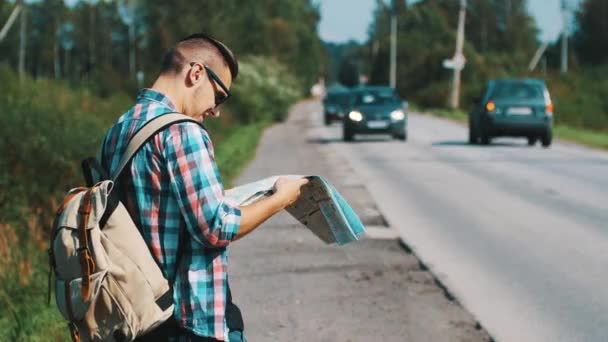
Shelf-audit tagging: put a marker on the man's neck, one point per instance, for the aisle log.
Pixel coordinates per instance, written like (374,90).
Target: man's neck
(166,87)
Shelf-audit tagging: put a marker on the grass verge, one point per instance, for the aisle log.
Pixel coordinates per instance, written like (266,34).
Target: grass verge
(237,150)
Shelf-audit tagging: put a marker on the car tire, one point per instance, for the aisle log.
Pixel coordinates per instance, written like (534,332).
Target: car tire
(485,139)
(547,139)
(532,141)
(401,136)
(473,134)
(347,135)
(327,120)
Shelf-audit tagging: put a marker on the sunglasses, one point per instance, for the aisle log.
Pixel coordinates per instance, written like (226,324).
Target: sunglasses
(220,97)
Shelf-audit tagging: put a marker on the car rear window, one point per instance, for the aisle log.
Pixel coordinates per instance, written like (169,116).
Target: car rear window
(376,97)
(518,90)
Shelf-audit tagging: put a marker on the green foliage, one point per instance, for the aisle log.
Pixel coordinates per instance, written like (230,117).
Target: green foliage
(590,39)
(48,127)
(263,91)
(581,98)
(581,136)
(237,149)
(103,43)
(499,43)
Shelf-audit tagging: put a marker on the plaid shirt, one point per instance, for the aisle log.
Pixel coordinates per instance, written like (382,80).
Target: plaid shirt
(174,192)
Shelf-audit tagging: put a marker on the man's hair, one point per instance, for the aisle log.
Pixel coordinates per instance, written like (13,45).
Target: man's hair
(174,60)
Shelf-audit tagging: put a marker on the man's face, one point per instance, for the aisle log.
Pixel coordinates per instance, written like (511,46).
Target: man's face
(210,86)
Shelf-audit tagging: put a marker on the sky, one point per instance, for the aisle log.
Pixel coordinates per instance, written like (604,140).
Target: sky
(343,20)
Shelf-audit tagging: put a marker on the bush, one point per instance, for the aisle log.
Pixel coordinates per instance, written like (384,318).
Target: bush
(263,91)
(581,98)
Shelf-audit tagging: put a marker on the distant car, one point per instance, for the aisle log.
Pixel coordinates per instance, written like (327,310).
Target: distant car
(335,105)
(375,110)
(515,108)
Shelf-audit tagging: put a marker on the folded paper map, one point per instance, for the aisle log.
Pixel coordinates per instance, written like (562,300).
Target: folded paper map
(320,207)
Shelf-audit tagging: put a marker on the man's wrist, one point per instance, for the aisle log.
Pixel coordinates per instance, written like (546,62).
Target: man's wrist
(279,202)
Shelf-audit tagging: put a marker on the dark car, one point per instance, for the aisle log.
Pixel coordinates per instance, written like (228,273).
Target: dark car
(375,110)
(335,105)
(514,108)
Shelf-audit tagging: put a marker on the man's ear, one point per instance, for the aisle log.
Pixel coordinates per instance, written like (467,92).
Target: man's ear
(195,74)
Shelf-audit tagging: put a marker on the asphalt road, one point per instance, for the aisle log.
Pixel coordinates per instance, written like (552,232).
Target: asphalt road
(292,287)
(518,234)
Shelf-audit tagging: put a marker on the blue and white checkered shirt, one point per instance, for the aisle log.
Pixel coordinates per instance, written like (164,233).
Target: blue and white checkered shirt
(174,192)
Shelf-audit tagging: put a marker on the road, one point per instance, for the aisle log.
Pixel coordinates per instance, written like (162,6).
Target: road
(519,235)
(292,287)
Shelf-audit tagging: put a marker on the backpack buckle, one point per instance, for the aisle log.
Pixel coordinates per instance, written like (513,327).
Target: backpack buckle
(74,332)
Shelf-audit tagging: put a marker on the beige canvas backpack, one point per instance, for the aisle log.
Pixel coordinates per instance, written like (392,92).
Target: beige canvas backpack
(107,284)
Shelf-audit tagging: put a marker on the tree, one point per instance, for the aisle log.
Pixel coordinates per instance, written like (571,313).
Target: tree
(349,74)
(591,37)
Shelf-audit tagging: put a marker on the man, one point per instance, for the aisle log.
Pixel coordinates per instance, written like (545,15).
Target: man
(174,191)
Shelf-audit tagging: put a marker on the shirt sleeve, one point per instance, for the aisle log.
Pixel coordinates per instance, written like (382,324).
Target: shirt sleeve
(197,186)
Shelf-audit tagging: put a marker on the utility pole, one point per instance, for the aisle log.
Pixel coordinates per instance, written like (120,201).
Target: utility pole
(56,66)
(92,26)
(9,23)
(458,56)
(539,53)
(127,11)
(393,61)
(22,41)
(564,68)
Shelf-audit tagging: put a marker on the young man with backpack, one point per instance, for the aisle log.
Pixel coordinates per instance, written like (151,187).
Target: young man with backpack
(173,191)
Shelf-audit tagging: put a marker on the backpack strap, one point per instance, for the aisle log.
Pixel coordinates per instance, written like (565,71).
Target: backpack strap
(145,133)
(87,264)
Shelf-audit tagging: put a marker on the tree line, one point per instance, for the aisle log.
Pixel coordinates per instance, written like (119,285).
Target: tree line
(501,38)
(118,44)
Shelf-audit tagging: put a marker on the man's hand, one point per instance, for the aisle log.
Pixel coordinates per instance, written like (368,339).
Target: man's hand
(288,190)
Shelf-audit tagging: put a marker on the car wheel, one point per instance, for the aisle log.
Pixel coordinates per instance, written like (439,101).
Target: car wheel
(531,141)
(347,135)
(547,139)
(485,139)
(327,120)
(473,136)
(401,136)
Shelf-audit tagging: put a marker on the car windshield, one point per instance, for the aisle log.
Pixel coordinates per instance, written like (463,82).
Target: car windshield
(341,99)
(517,90)
(376,97)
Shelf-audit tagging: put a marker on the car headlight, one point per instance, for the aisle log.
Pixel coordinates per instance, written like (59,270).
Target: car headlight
(397,115)
(355,116)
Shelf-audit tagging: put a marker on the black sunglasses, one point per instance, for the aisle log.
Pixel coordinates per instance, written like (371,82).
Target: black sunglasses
(219,96)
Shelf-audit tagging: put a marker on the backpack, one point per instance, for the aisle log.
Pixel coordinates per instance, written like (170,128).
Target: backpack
(107,284)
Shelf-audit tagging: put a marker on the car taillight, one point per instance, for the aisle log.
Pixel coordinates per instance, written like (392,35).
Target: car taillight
(549,108)
(490,106)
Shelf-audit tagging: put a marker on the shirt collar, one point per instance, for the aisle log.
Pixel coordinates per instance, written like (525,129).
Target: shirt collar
(153,95)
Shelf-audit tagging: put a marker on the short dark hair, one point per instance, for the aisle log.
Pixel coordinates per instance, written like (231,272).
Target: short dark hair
(174,60)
